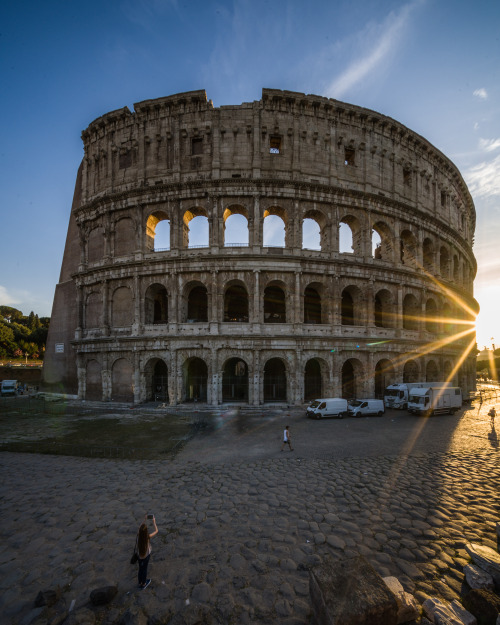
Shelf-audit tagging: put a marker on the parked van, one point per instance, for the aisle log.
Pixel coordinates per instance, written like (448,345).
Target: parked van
(331,407)
(436,400)
(365,407)
(9,387)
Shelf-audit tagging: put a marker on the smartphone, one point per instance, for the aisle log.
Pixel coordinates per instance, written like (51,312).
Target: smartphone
(151,517)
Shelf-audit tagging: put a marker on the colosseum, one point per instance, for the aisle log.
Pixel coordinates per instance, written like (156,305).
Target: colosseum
(332,256)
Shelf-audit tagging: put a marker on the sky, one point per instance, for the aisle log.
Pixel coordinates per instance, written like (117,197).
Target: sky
(433,65)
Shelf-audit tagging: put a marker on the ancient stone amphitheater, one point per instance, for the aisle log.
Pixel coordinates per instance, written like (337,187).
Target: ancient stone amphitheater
(336,257)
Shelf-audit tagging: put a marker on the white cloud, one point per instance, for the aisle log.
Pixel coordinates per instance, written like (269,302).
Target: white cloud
(481,93)
(6,299)
(383,40)
(489,145)
(483,179)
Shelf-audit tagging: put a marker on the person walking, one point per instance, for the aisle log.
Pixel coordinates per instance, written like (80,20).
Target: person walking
(144,552)
(286,438)
(492,414)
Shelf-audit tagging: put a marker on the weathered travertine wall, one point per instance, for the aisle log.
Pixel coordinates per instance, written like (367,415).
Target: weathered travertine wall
(248,322)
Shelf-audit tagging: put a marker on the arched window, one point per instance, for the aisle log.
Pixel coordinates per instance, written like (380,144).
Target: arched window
(382,242)
(428,255)
(195,228)
(197,304)
(410,312)
(95,245)
(311,235)
(410,372)
(125,237)
(347,312)
(408,255)
(431,372)
(345,239)
(312,306)
(122,380)
(93,381)
(431,322)
(122,310)
(274,305)
(444,262)
(275,221)
(156,304)
(236,304)
(158,232)
(383,309)
(235,221)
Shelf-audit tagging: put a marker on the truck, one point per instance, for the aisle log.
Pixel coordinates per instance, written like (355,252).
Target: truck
(435,400)
(9,387)
(365,407)
(396,395)
(328,407)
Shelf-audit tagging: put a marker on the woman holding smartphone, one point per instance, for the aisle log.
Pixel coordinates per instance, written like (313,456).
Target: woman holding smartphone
(144,550)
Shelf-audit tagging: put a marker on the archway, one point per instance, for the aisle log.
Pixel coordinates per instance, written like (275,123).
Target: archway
(156,304)
(313,383)
(122,380)
(431,372)
(235,381)
(410,372)
(384,376)
(274,380)
(197,304)
(157,380)
(348,381)
(93,387)
(195,380)
(236,304)
(274,305)
(312,306)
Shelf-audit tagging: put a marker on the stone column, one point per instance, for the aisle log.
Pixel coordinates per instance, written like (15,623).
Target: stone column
(81,372)
(296,317)
(139,389)
(105,308)
(213,388)
(399,318)
(257,391)
(256,298)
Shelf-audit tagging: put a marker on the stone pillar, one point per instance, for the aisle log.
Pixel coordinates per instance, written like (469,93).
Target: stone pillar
(256,298)
(296,316)
(139,389)
(257,391)
(81,372)
(172,378)
(213,314)
(105,307)
(106,378)
(137,325)
(370,305)
(257,223)
(213,387)
(399,318)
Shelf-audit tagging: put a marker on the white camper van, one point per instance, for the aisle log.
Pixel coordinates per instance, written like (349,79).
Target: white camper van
(365,407)
(435,400)
(330,407)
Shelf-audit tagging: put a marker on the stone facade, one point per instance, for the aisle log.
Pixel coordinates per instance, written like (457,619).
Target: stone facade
(248,322)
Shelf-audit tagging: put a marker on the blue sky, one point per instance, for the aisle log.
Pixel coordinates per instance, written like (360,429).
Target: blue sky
(434,65)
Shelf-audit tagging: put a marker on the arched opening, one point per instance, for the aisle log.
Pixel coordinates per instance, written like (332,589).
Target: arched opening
(235,221)
(312,306)
(431,372)
(408,249)
(431,323)
(156,373)
(456,274)
(93,386)
(384,376)
(156,304)
(347,308)
(236,304)
(410,372)
(275,227)
(274,380)
(345,239)
(197,304)
(195,232)
(195,380)
(349,390)
(382,242)
(428,255)
(444,263)
(382,309)
(235,381)
(447,369)
(274,305)
(158,232)
(311,234)
(313,384)
(122,388)
(410,312)
(447,317)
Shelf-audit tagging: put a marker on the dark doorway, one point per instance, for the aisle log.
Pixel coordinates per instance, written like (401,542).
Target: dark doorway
(347,309)
(312,306)
(348,381)
(236,304)
(196,375)
(160,382)
(274,305)
(235,381)
(312,381)
(197,309)
(274,380)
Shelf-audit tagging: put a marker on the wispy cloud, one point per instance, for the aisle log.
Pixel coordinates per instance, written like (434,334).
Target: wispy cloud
(489,145)
(383,39)
(484,178)
(481,94)
(6,299)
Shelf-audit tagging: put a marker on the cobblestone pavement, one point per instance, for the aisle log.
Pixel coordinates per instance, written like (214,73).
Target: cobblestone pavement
(240,522)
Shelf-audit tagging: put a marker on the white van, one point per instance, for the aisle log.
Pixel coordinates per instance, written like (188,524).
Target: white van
(330,407)
(365,407)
